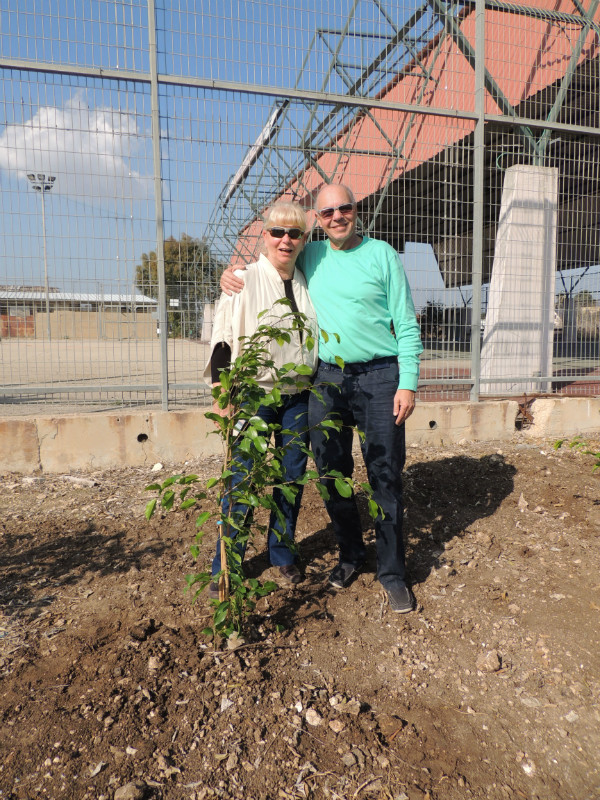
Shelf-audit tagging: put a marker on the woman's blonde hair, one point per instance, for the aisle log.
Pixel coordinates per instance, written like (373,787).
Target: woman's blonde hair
(286,213)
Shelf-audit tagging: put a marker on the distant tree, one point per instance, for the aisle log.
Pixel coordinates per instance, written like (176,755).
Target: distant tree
(191,277)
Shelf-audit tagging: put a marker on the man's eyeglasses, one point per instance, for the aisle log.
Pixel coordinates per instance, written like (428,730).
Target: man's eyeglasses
(343,208)
(279,233)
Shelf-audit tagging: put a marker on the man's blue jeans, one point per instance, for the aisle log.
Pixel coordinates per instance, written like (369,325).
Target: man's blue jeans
(363,395)
(291,415)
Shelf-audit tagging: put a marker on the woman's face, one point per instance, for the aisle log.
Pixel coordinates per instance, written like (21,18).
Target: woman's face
(283,250)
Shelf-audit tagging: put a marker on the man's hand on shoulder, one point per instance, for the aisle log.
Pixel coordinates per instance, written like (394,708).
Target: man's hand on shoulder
(230,283)
(404,405)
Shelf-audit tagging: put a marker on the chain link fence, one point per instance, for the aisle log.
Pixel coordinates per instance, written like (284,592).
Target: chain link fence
(141,143)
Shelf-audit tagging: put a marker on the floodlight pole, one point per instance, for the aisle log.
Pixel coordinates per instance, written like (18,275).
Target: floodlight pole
(43,183)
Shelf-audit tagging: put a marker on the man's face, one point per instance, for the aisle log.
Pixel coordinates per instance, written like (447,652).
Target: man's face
(340,226)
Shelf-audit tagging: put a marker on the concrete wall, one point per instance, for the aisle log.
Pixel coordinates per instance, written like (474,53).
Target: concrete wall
(67,324)
(101,441)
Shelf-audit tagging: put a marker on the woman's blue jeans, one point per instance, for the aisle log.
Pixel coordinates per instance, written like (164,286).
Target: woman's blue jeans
(291,415)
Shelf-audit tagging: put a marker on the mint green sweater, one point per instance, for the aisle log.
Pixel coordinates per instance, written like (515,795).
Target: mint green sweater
(357,293)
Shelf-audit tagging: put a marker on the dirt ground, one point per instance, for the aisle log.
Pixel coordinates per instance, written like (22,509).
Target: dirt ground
(489,690)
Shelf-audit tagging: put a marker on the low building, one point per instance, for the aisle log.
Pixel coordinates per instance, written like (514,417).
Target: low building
(75,315)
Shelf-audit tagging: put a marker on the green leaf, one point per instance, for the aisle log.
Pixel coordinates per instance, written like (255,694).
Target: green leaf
(203,518)
(154,487)
(167,499)
(211,482)
(373,508)
(339,361)
(322,490)
(221,613)
(208,632)
(260,444)
(343,488)
(324,335)
(195,550)
(304,369)
(185,479)
(289,492)
(150,508)
(336,424)
(191,501)
(245,445)
(258,424)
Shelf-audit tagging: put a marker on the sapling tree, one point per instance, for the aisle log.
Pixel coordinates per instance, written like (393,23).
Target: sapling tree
(239,397)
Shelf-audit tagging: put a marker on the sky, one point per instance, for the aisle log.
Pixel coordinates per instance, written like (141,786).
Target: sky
(94,135)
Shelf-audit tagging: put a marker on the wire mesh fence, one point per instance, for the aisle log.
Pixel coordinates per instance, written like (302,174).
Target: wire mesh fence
(141,144)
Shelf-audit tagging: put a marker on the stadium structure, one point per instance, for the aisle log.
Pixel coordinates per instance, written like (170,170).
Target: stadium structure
(482,143)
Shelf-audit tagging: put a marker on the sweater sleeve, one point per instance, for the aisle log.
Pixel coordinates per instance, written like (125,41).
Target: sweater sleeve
(222,334)
(219,360)
(404,319)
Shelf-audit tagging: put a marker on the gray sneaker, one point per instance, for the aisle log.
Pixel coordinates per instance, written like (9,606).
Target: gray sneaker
(402,600)
(343,574)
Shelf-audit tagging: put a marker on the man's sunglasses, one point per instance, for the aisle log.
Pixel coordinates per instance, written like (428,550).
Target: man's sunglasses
(344,208)
(279,233)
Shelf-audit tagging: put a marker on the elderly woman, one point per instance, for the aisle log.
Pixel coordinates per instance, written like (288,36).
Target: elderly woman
(270,279)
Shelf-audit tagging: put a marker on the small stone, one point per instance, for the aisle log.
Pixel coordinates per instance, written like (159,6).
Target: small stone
(234,641)
(348,707)
(488,661)
(336,725)
(522,504)
(135,790)
(348,760)
(313,718)
(530,702)
(83,483)
(157,467)
(528,767)
(225,703)
(572,716)
(153,664)
(389,725)
(232,762)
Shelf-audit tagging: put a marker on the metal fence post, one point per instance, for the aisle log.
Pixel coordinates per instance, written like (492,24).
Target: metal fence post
(158,208)
(478,181)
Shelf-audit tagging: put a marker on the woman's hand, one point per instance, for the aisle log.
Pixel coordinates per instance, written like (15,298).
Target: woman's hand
(222,412)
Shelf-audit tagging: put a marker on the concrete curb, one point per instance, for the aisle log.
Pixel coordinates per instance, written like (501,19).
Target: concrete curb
(103,441)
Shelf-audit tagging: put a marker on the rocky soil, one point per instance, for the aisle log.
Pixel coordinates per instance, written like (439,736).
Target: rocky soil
(109,690)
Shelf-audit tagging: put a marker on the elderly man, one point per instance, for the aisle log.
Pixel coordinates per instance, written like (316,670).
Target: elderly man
(359,290)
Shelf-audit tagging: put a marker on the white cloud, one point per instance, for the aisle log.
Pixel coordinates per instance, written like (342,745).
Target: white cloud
(92,151)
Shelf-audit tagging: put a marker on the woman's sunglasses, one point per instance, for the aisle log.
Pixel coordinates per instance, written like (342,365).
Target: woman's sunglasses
(344,208)
(279,233)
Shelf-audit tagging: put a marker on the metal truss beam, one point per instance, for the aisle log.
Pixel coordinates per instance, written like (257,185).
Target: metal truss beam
(468,51)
